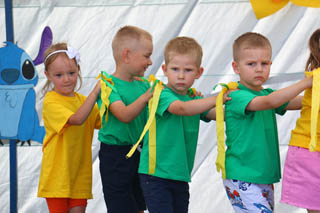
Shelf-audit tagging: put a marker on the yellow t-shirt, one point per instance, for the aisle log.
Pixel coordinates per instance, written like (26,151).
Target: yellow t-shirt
(300,136)
(66,169)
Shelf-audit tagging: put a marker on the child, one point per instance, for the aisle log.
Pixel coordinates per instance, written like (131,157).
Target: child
(66,170)
(177,127)
(301,178)
(132,48)
(252,156)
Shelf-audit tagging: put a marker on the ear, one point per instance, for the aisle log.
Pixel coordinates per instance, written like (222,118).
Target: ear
(235,67)
(164,69)
(125,55)
(199,73)
(47,75)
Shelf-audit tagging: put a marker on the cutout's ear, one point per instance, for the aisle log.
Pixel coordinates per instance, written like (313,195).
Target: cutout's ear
(46,41)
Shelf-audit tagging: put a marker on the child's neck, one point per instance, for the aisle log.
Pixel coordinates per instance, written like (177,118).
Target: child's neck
(123,74)
(178,92)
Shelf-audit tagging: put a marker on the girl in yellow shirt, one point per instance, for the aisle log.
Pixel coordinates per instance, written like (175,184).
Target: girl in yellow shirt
(69,119)
(301,178)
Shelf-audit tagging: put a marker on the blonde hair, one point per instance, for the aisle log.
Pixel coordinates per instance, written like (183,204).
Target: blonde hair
(127,37)
(58,46)
(313,61)
(183,45)
(249,40)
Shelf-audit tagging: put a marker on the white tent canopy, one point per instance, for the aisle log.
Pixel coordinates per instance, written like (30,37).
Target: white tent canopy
(90,26)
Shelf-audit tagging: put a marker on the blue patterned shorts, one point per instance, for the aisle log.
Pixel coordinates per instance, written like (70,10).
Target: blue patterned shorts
(250,197)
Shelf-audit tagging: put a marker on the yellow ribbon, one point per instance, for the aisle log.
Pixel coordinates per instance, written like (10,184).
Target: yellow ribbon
(151,124)
(314,107)
(105,93)
(220,161)
(263,8)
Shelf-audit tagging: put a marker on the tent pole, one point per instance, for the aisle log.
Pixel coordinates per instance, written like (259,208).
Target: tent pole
(12,144)
(9,20)
(13,176)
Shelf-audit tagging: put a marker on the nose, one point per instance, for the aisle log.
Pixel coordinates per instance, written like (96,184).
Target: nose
(10,75)
(65,78)
(259,68)
(150,62)
(181,74)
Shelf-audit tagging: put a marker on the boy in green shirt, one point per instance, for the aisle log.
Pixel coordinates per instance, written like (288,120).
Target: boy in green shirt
(177,126)
(132,48)
(252,157)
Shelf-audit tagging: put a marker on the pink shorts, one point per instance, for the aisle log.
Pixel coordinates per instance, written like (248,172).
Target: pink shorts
(301,178)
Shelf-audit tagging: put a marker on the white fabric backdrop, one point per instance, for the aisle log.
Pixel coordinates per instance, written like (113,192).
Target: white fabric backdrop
(90,26)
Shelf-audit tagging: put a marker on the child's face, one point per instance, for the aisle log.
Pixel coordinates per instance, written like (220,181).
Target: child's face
(63,73)
(253,67)
(140,57)
(181,71)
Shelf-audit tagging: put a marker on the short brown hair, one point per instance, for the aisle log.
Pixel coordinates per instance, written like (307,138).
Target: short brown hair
(249,40)
(183,45)
(313,61)
(124,38)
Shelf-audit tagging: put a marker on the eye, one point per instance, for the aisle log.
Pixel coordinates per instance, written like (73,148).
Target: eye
(28,71)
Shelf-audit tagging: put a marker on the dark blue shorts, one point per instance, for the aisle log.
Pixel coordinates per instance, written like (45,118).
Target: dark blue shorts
(120,180)
(164,195)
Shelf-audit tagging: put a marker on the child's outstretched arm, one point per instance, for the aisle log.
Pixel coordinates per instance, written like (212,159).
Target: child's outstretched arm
(295,103)
(83,112)
(280,97)
(198,106)
(127,113)
(192,107)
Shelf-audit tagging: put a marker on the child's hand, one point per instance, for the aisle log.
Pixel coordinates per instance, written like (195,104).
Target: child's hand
(148,94)
(226,95)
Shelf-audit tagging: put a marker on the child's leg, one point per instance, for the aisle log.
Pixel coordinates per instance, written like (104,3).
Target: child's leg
(249,197)
(78,209)
(117,174)
(180,196)
(163,195)
(77,205)
(137,191)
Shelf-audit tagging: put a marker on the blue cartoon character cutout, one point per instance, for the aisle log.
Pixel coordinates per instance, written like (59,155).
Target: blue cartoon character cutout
(18,77)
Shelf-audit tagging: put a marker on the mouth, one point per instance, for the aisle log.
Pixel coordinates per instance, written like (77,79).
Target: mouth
(180,84)
(68,86)
(259,78)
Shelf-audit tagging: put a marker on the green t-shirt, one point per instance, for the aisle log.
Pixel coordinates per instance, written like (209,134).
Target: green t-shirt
(115,132)
(252,139)
(176,140)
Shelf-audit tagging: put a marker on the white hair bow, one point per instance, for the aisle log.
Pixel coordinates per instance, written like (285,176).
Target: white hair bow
(71,53)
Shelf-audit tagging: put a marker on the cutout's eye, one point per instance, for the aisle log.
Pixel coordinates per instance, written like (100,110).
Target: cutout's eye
(28,70)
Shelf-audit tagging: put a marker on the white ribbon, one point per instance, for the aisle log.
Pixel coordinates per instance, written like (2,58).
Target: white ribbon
(71,53)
